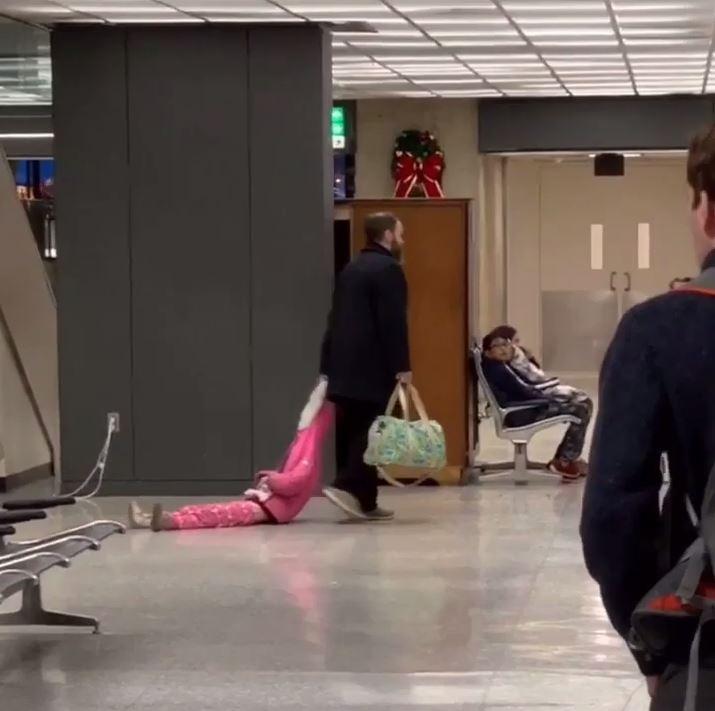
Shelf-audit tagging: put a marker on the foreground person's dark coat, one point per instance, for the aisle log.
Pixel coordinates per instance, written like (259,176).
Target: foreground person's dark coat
(657,395)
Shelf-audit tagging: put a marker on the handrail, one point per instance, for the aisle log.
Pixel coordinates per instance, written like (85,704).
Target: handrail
(94,544)
(64,560)
(121,528)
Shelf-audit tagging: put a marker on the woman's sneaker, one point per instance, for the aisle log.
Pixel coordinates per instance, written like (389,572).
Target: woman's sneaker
(569,471)
(161,520)
(137,518)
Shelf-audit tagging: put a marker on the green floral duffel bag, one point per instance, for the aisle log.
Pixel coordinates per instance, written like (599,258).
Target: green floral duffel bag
(418,444)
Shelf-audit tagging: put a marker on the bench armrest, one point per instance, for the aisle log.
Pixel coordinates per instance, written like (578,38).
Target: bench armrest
(526,405)
(20,516)
(7,531)
(23,504)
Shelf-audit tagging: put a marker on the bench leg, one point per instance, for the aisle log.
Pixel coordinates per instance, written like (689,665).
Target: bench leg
(32,612)
(509,466)
(521,471)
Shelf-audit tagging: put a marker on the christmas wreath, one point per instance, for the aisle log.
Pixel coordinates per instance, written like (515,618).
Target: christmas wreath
(418,165)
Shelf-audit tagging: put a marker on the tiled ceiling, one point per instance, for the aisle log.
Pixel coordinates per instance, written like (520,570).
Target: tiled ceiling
(452,48)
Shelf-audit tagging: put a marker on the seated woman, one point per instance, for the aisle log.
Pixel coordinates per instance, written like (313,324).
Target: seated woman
(530,371)
(510,390)
(278,496)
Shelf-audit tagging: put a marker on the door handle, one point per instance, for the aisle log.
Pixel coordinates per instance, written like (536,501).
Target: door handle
(612,281)
(629,281)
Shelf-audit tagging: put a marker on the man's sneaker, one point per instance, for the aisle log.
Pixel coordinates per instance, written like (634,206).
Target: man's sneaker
(380,514)
(344,501)
(569,470)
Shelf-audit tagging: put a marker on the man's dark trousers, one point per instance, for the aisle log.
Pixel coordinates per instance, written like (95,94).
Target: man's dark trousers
(354,419)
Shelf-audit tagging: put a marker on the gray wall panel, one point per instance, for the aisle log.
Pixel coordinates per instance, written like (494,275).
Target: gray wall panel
(571,124)
(92,224)
(291,202)
(195,215)
(190,253)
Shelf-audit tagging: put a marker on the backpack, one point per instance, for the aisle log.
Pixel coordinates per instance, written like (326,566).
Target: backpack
(673,615)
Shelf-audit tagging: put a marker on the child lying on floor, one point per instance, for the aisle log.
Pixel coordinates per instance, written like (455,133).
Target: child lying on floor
(278,497)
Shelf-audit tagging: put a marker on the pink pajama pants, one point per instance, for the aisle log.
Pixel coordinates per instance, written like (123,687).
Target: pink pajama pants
(225,515)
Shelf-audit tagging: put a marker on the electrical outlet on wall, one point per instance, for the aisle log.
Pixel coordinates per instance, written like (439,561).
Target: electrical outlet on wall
(113,421)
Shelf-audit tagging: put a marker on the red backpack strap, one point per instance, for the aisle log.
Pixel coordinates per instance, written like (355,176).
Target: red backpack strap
(694,290)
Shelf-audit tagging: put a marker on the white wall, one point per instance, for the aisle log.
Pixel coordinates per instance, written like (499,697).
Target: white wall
(30,314)
(653,190)
(454,124)
(523,260)
(22,440)
(452,121)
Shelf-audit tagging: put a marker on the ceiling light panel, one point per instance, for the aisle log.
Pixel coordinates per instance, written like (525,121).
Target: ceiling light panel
(448,47)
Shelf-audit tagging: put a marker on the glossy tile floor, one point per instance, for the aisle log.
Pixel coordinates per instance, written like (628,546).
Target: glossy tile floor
(474,598)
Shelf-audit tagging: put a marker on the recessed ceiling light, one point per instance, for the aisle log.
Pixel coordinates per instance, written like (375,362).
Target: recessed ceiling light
(283,19)
(638,42)
(573,6)
(152,20)
(484,43)
(576,43)
(448,82)
(652,7)
(388,43)
(475,33)
(571,32)
(530,20)
(355,8)
(384,33)
(459,21)
(22,136)
(230,7)
(368,82)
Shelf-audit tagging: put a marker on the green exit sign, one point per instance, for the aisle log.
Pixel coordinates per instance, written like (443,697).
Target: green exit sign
(339,132)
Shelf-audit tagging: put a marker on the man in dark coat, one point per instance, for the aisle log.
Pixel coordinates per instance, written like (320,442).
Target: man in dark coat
(657,396)
(365,352)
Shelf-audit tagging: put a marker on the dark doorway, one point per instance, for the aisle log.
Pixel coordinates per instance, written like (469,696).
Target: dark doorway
(341,244)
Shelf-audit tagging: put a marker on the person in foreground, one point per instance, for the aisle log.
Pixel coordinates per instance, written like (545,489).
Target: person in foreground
(365,351)
(278,496)
(510,389)
(657,395)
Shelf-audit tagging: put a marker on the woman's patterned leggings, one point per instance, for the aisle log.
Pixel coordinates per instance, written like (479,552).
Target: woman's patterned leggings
(226,515)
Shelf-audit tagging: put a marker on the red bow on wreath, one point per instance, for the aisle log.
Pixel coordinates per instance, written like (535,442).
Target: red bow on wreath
(412,172)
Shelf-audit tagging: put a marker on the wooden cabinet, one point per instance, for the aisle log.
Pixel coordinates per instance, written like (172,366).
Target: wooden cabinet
(437,269)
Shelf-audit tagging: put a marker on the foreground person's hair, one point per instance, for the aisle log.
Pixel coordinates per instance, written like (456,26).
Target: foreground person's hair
(701,165)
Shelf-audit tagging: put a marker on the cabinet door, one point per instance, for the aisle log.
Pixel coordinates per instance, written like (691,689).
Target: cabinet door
(436,270)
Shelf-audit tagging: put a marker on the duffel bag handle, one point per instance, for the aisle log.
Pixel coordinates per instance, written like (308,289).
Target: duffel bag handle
(419,403)
(400,394)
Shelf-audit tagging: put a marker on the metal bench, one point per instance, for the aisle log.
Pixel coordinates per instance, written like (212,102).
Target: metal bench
(22,563)
(521,470)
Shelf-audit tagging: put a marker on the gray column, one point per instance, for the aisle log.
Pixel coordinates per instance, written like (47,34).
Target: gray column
(221,213)
(291,172)
(93,285)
